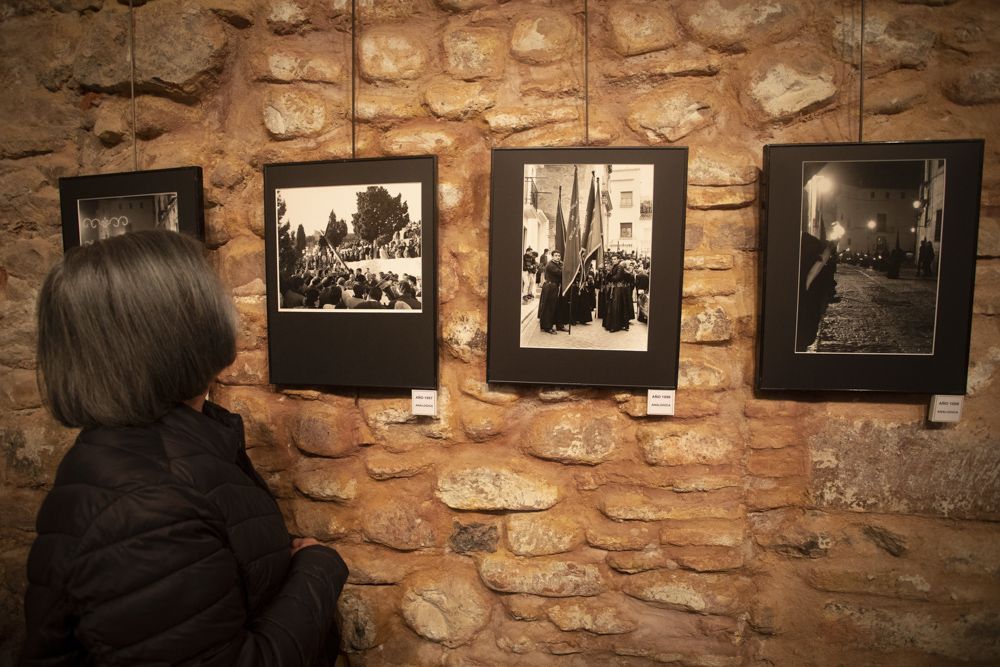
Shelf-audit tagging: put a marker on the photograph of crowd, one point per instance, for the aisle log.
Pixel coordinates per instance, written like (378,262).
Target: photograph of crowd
(103,217)
(869,258)
(347,248)
(586,254)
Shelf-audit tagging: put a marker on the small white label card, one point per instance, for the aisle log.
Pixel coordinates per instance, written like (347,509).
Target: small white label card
(946,408)
(661,402)
(425,402)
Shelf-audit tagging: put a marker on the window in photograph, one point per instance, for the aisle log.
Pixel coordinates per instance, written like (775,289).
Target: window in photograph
(626,232)
(626,199)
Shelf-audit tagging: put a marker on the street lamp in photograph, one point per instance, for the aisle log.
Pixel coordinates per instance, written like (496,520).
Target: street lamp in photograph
(871,232)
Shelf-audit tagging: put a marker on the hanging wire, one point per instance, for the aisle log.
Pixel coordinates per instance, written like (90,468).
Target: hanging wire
(354,94)
(861,77)
(586,73)
(131,81)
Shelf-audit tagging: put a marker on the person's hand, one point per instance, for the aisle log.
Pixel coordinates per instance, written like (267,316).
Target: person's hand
(301,543)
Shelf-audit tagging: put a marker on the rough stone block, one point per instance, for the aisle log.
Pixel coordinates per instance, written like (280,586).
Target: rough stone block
(656,505)
(706,323)
(791,87)
(723,198)
(572,437)
(445,606)
(382,466)
(543,37)
(397,524)
(475,536)
(457,100)
(319,479)
(474,53)
(542,534)
(677,447)
(294,114)
(603,615)
(249,368)
(522,117)
(672,112)
(494,488)
(19,390)
(464,335)
(184,74)
(704,532)
(641,27)
(327,431)
(540,576)
(392,53)
(700,593)
(619,537)
(703,283)
(284,66)
(361,619)
(735,26)
(324,521)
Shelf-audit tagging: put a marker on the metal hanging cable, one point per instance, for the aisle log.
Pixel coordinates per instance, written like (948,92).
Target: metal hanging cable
(586,73)
(131,77)
(861,77)
(354,95)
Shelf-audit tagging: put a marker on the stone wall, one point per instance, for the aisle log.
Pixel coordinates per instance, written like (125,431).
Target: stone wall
(550,526)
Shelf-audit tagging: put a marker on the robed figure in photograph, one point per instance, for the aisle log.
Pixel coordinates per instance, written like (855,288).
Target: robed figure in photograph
(549,309)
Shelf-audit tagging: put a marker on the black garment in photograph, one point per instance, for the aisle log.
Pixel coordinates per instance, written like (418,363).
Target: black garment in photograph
(549,303)
(162,545)
(620,310)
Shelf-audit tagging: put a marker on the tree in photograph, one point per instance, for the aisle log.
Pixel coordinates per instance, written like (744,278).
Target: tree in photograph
(336,230)
(380,215)
(288,256)
(300,239)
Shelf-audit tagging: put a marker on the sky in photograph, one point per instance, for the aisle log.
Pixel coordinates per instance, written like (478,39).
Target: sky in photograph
(310,207)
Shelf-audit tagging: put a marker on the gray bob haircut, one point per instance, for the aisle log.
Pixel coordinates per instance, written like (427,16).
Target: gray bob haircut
(130,326)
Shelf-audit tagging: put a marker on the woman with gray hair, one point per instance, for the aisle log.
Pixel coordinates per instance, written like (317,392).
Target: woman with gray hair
(159,542)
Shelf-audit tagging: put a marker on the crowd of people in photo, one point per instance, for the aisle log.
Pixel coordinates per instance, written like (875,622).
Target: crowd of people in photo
(617,291)
(341,289)
(404,243)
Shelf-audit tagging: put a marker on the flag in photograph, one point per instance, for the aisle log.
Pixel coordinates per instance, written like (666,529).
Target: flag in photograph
(571,258)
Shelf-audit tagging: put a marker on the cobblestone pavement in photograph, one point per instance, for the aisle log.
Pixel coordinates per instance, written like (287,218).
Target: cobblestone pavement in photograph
(878,315)
(583,337)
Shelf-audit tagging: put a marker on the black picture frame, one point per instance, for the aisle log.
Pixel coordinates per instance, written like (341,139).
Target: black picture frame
(874,331)
(346,347)
(513,355)
(93,207)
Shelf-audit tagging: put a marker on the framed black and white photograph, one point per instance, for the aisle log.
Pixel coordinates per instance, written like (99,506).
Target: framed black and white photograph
(350,251)
(105,205)
(869,266)
(586,256)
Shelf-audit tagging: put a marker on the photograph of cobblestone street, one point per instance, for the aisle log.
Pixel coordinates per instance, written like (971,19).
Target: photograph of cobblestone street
(870,252)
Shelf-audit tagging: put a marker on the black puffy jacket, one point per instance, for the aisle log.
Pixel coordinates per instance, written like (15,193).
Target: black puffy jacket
(162,545)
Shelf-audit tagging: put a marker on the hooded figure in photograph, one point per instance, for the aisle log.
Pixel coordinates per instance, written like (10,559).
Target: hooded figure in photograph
(550,301)
(159,543)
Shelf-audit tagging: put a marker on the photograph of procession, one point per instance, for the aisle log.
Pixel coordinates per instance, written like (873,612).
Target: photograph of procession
(869,256)
(350,248)
(101,218)
(586,256)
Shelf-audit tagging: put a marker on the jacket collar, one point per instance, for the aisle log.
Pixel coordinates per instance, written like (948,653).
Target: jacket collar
(214,428)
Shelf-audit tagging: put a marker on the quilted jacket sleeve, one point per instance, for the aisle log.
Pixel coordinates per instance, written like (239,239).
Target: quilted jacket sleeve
(152,580)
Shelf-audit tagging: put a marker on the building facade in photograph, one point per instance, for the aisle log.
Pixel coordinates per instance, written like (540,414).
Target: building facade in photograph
(537,229)
(930,206)
(862,209)
(629,225)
